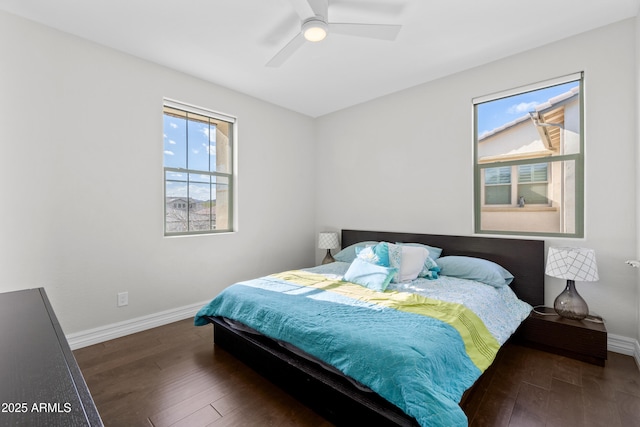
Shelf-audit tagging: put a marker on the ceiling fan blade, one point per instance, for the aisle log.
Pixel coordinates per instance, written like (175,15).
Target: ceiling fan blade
(384,7)
(374,31)
(287,51)
(303,9)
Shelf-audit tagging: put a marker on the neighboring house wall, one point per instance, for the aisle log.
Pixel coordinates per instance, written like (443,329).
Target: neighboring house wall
(522,139)
(179,203)
(531,219)
(515,141)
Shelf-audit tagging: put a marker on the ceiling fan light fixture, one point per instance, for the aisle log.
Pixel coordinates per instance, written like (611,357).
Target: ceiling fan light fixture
(314,30)
(315,26)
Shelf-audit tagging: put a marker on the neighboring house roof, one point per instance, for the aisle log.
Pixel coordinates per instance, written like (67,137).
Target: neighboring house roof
(547,112)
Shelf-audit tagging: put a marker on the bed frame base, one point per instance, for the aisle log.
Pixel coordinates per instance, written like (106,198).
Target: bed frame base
(329,394)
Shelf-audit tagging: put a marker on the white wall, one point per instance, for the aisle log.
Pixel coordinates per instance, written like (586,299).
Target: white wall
(81,182)
(638,163)
(404,162)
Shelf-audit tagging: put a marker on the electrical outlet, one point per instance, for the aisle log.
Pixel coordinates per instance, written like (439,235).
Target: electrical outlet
(123,299)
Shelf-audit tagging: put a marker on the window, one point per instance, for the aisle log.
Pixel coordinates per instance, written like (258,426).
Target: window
(533,184)
(497,183)
(198,170)
(528,151)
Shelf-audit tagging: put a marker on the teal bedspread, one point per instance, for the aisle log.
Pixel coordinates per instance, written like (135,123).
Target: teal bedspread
(415,361)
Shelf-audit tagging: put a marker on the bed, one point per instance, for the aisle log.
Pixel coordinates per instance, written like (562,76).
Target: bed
(345,384)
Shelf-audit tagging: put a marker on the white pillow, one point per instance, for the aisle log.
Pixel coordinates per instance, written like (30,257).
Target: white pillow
(409,260)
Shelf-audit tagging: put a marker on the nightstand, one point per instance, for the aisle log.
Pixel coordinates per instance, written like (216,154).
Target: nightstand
(582,340)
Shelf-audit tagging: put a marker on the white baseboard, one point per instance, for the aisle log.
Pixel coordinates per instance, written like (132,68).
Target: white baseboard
(116,330)
(615,343)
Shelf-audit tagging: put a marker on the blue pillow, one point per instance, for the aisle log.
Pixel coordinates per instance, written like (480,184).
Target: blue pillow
(378,254)
(434,252)
(477,269)
(348,254)
(372,276)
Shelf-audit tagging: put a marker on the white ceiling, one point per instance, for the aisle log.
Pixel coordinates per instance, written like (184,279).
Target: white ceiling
(228,42)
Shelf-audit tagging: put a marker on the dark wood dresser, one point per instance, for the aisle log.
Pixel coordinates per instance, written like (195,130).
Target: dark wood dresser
(582,340)
(40,382)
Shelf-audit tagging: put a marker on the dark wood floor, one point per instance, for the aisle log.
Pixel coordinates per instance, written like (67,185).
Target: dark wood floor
(172,376)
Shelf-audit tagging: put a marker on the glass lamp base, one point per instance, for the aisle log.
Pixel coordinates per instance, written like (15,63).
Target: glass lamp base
(328,257)
(570,304)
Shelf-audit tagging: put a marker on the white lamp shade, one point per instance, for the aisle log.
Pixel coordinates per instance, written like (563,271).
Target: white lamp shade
(328,241)
(572,264)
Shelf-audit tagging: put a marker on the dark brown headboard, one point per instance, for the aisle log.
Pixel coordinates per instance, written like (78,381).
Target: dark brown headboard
(523,258)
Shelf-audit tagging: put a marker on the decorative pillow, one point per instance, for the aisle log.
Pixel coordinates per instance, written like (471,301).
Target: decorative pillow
(378,254)
(434,252)
(372,276)
(348,254)
(430,269)
(478,269)
(408,260)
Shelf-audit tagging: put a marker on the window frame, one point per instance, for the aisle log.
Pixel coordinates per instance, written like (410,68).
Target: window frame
(577,158)
(230,176)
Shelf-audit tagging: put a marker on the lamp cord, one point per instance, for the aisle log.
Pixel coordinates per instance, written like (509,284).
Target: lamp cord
(594,318)
(541,313)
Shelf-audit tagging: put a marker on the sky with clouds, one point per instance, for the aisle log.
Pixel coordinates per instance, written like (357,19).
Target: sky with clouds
(494,114)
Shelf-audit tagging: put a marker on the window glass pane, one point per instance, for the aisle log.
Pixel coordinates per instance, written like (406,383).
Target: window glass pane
(497,185)
(532,173)
(175,141)
(198,144)
(176,202)
(221,136)
(545,122)
(497,195)
(533,194)
(558,199)
(221,206)
(200,207)
(212,135)
(501,175)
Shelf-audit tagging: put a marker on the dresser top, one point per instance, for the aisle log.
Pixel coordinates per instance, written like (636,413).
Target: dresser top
(40,382)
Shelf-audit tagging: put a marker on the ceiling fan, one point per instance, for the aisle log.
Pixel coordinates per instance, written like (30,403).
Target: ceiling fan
(315,26)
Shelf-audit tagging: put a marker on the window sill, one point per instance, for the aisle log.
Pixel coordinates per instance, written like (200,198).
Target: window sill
(518,209)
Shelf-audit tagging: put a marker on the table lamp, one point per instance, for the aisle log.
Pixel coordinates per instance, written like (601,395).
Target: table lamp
(571,264)
(328,241)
